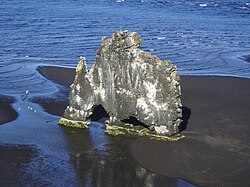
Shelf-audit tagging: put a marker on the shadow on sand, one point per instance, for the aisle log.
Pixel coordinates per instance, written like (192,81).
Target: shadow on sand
(186,113)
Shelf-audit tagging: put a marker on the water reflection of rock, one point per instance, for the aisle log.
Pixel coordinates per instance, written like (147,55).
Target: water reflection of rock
(101,160)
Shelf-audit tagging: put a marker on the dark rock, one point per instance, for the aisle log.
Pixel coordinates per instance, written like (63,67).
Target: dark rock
(127,82)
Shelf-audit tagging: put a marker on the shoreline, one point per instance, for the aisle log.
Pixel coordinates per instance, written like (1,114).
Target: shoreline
(216,136)
(55,104)
(56,74)
(216,148)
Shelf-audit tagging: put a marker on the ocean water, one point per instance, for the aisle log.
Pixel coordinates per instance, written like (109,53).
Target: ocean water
(202,37)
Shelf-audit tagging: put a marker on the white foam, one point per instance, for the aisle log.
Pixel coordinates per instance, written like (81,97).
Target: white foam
(243,7)
(161,38)
(203,5)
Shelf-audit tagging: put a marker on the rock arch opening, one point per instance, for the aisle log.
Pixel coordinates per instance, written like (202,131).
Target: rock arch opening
(134,121)
(98,114)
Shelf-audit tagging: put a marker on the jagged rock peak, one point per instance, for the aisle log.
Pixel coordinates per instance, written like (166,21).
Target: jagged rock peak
(127,82)
(122,39)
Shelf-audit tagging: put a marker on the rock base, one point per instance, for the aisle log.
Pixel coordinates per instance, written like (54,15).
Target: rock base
(123,128)
(139,131)
(74,123)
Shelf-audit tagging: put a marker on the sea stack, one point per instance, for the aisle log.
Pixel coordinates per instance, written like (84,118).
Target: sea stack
(128,83)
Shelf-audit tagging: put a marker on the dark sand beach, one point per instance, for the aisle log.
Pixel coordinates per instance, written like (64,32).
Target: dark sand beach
(214,152)
(60,75)
(17,156)
(216,148)
(56,103)
(7,113)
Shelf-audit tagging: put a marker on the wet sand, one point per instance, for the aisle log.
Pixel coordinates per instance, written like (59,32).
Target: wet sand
(7,113)
(55,104)
(46,151)
(214,152)
(60,75)
(17,157)
(216,147)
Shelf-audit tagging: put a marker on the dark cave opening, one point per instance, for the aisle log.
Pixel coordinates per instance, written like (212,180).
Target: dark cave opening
(99,114)
(134,121)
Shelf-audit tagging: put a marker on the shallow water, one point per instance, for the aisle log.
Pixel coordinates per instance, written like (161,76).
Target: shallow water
(41,153)
(201,37)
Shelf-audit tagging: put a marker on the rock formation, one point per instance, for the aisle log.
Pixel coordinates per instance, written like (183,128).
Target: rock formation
(127,82)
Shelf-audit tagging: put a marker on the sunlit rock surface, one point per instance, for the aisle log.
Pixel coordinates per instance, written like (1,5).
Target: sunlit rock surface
(127,82)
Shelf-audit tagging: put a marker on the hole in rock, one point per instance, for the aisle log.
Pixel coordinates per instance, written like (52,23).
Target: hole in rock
(134,121)
(99,114)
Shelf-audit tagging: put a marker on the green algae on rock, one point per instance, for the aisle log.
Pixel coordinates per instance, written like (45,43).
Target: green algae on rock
(145,132)
(74,123)
(127,82)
